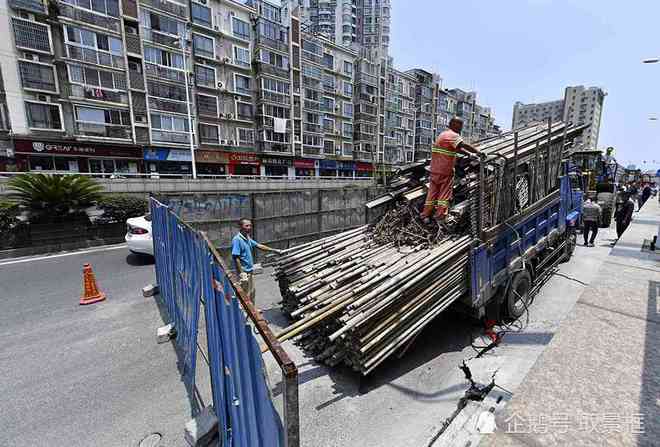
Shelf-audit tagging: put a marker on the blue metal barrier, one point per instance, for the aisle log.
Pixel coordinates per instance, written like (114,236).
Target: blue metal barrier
(190,270)
(177,252)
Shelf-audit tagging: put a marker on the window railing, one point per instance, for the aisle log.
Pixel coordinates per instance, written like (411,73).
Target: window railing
(133,44)
(95,57)
(96,93)
(170,137)
(155,36)
(314,128)
(89,17)
(266,95)
(312,105)
(177,9)
(29,5)
(275,44)
(169,74)
(103,130)
(31,35)
(167,106)
(136,80)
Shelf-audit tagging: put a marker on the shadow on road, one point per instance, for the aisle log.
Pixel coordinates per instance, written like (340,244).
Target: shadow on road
(138,260)
(650,392)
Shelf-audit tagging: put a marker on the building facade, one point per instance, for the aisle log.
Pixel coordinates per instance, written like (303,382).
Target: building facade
(581,105)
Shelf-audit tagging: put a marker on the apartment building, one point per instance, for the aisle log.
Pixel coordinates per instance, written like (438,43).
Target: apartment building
(427,86)
(581,105)
(398,115)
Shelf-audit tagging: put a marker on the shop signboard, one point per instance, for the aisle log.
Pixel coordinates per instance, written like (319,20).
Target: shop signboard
(75,149)
(212,157)
(163,154)
(275,161)
(243,158)
(305,164)
(346,166)
(328,164)
(362,166)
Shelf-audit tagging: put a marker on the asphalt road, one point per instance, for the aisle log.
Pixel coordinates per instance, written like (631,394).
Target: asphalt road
(85,375)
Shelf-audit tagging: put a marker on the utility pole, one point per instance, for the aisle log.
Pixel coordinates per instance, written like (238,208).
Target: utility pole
(188,99)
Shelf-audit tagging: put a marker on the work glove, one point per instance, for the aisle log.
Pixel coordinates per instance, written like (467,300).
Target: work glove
(244,277)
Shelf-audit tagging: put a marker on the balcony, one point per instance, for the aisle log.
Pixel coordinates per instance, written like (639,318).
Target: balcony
(103,130)
(278,98)
(159,38)
(269,122)
(35,6)
(96,94)
(281,148)
(94,57)
(271,43)
(167,106)
(314,106)
(314,128)
(164,73)
(177,9)
(327,88)
(311,57)
(84,16)
(273,70)
(136,80)
(31,35)
(170,137)
(133,45)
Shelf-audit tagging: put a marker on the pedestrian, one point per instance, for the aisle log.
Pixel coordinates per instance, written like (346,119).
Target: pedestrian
(441,182)
(646,193)
(241,251)
(623,216)
(591,217)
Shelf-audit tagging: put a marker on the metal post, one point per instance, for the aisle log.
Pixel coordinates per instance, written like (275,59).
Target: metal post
(547,160)
(291,409)
(188,99)
(480,208)
(515,169)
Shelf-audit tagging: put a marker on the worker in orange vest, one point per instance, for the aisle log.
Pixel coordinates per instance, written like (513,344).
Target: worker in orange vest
(441,183)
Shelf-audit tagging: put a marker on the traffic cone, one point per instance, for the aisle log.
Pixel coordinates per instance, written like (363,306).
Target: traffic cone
(91,292)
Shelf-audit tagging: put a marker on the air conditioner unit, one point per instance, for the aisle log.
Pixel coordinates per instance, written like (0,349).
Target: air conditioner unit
(34,57)
(372,99)
(223,142)
(220,85)
(44,98)
(237,98)
(216,27)
(230,116)
(226,60)
(218,57)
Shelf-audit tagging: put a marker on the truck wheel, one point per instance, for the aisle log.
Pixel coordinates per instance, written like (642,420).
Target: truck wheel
(518,297)
(569,248)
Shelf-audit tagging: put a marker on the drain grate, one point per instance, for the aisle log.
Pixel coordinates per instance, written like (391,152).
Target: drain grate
(151,440)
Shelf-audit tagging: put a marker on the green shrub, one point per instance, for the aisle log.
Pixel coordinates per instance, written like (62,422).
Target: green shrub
(53,196)
(118,208)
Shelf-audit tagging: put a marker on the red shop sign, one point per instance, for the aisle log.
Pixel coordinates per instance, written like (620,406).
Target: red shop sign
(362,166)
(243,158)
(304,164)
(76,149)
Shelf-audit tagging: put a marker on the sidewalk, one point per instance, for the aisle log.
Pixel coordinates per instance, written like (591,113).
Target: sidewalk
(598,381)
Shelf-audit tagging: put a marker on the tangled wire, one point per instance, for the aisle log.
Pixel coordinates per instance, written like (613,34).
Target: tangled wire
(403,226)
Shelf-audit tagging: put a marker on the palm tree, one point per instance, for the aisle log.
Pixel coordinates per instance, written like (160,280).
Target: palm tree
(53,195)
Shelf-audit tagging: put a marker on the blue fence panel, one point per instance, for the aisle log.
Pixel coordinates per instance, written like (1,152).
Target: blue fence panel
(177,250)
(240,391)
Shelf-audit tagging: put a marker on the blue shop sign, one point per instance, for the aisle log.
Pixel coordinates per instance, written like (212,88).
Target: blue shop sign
(163,154)
(156,154)
(346,166)
(328,164)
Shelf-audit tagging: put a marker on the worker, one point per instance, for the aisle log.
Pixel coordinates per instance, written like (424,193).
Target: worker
(646,193)
(241,251)
(441,182)
(623,216)
(591,212)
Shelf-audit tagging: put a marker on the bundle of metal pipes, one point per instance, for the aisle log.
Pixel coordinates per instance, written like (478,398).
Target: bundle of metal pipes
(357,301)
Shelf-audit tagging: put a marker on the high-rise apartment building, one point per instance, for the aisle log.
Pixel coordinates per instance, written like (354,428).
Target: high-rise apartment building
(581,105)
(397,100)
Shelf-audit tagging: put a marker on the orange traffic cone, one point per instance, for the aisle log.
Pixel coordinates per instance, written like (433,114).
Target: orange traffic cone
(91,292)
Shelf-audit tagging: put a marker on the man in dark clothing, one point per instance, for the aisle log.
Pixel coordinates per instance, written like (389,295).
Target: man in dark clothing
(623,216)
(646,193)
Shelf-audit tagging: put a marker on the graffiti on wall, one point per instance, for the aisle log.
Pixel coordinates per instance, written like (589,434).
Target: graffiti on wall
(209,207)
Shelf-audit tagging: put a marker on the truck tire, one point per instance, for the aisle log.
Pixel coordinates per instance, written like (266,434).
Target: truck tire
(518,297)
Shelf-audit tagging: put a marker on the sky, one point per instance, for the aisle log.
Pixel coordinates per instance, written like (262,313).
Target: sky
(530,50)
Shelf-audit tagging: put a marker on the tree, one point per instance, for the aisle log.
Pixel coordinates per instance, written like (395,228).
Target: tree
(53,195)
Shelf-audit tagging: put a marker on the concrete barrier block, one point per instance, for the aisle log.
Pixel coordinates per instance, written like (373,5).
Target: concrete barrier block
(150,290)
(201,430)
(165,333)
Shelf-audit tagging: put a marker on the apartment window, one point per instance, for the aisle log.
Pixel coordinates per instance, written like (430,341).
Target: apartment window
(169,91)
(208,134)
(348,109)
(103,116)
(275,111)
(201,15)
(348,149)
(240,28)
(312,140)
(242,56)
(311,94)
(243,84)
(273,31)
(270,12)
(245,136)
(44,116)
(244,111)
(207,105)
(348,89)
(164,24)
(37,76)
(329,61)
(347,129)
(329,81)
(203,46)
(31,35)
(274,59)
(89,39)
(312,71)
(328,147)
(109,7)
(169,128)
(329,125)
(86,75)
(327,104)
(162,57)
(205,76)
(348,68)
(276,86)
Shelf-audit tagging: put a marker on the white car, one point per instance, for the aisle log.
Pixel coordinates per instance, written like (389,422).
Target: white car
(138,235)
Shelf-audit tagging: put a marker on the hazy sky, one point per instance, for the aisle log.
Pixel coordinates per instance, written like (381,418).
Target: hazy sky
(529,50)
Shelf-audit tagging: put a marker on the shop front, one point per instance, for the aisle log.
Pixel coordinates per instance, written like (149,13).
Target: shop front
(211,162)
(171,162)
(346,168)
(276,166)
(328,168)
(243,163)
(101,159)
(305,167)
(363,169)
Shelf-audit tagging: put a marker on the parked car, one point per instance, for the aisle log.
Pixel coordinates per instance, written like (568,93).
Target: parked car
(138,235)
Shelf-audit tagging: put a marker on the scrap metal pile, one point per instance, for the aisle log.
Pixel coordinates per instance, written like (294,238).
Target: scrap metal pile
(359,296)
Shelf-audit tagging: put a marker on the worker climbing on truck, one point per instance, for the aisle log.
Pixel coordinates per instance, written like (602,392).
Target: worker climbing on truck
(441,182)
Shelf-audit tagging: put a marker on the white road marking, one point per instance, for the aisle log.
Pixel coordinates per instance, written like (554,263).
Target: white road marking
(61,255)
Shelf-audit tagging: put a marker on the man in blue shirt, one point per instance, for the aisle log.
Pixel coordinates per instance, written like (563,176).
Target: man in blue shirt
(241,251)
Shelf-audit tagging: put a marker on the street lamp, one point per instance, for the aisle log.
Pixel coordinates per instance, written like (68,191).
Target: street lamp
(184,45)
(652,60)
